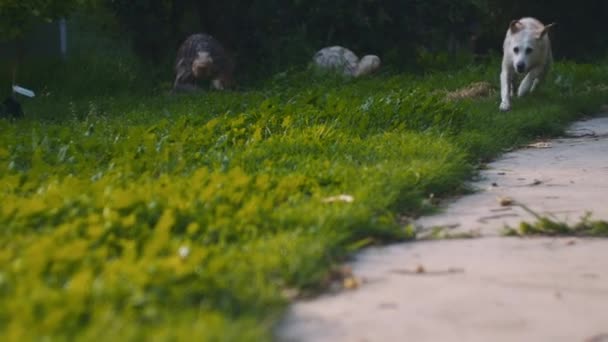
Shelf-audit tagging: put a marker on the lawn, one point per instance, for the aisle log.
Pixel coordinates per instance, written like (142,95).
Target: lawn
(131,214)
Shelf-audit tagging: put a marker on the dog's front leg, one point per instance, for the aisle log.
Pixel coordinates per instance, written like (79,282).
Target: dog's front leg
(528,82)
(506,82)
(543,73)
(512,87)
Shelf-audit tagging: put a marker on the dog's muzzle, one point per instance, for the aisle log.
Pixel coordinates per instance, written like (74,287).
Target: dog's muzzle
(520,67)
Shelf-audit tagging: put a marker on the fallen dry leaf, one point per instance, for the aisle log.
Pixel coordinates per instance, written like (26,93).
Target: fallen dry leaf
(505,201)
(351,283)
(536,182)
(340,198)
(541,144)
(420,269)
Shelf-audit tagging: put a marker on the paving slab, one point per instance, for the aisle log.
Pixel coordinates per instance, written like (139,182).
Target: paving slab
(491,288)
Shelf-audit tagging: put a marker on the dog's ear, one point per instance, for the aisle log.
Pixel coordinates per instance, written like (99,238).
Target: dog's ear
(515,26)
(546,29)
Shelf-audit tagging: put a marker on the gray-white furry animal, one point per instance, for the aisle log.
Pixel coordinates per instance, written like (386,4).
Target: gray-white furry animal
(527,51)
(345,61)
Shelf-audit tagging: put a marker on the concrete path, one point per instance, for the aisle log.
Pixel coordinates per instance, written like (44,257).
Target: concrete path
(491,288)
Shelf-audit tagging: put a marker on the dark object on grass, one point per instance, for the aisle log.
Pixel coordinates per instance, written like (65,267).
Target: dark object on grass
(10,108)
(202,57)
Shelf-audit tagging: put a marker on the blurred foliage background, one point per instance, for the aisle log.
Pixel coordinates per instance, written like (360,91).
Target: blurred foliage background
(286,32)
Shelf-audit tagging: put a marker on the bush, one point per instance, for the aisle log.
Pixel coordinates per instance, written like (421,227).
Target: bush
(287,32)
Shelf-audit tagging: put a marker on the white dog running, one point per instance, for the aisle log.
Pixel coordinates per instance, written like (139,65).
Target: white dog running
(527,51)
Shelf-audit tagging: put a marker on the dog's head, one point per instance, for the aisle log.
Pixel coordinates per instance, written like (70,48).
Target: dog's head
(202,66)
(528,46)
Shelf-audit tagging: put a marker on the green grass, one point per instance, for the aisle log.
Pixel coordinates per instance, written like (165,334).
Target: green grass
(129,214)
(547,226)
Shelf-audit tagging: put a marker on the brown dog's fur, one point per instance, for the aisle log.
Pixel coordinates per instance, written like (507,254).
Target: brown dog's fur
(202,57)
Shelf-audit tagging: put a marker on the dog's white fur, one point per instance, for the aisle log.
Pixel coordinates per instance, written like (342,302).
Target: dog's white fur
(527,51)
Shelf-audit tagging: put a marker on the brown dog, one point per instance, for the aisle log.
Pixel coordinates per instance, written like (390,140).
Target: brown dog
(202,57)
